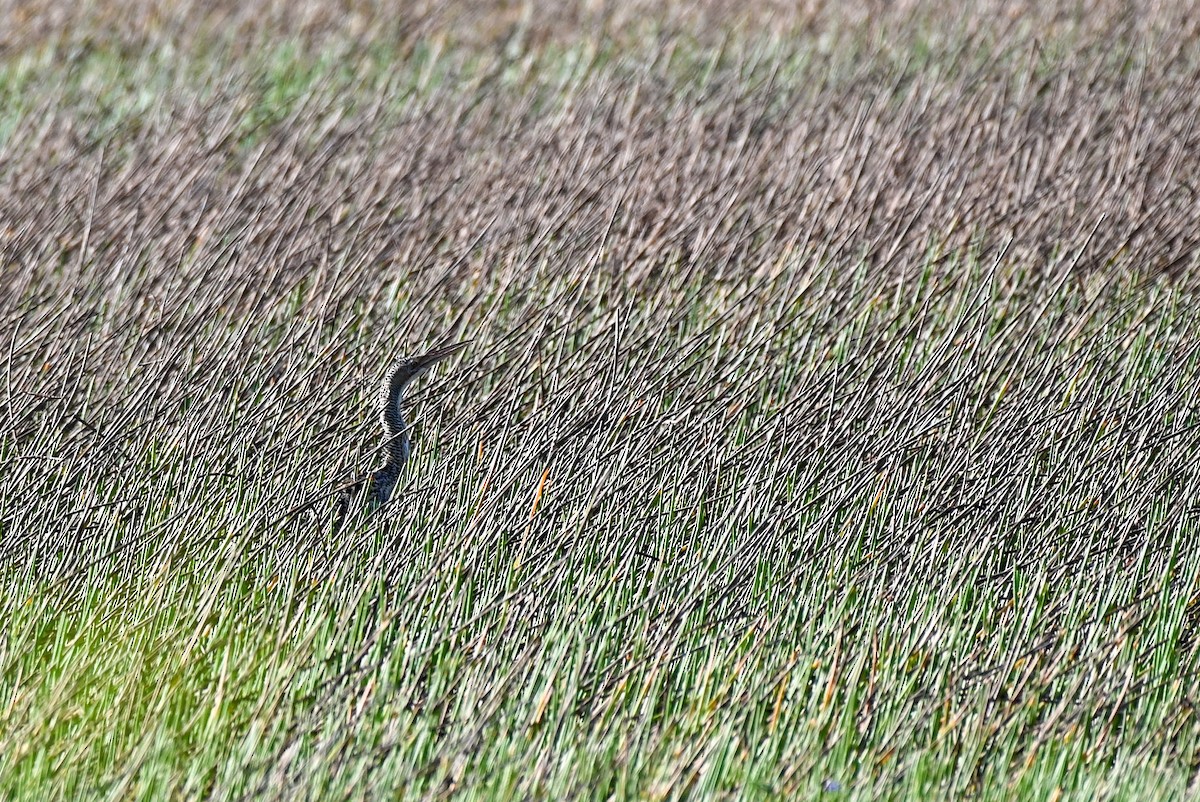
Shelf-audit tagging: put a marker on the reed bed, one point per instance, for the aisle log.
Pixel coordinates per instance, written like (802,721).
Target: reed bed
(828,428)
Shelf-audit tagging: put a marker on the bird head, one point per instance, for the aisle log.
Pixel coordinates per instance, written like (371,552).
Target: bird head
(407,369)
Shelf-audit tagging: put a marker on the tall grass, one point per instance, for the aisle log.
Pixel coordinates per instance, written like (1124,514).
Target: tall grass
(829,424)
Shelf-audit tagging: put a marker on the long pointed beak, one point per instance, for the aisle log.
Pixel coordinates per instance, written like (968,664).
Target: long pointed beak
(438,354)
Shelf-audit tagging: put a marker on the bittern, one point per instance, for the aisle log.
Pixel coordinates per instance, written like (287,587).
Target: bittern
(377,488)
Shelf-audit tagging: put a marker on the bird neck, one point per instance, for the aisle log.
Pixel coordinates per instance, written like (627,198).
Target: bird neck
(397,445)
(396,449)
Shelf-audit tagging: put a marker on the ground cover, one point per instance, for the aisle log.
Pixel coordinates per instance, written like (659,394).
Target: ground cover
(828,426)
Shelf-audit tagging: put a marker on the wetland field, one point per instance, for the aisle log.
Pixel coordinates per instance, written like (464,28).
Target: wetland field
(829,427)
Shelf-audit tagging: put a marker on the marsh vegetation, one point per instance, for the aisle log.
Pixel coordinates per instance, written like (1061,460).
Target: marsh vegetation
(829,423)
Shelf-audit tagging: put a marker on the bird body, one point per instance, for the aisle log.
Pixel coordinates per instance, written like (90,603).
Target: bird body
(397,446)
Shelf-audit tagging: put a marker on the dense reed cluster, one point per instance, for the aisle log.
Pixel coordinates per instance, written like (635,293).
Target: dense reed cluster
(829,420)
